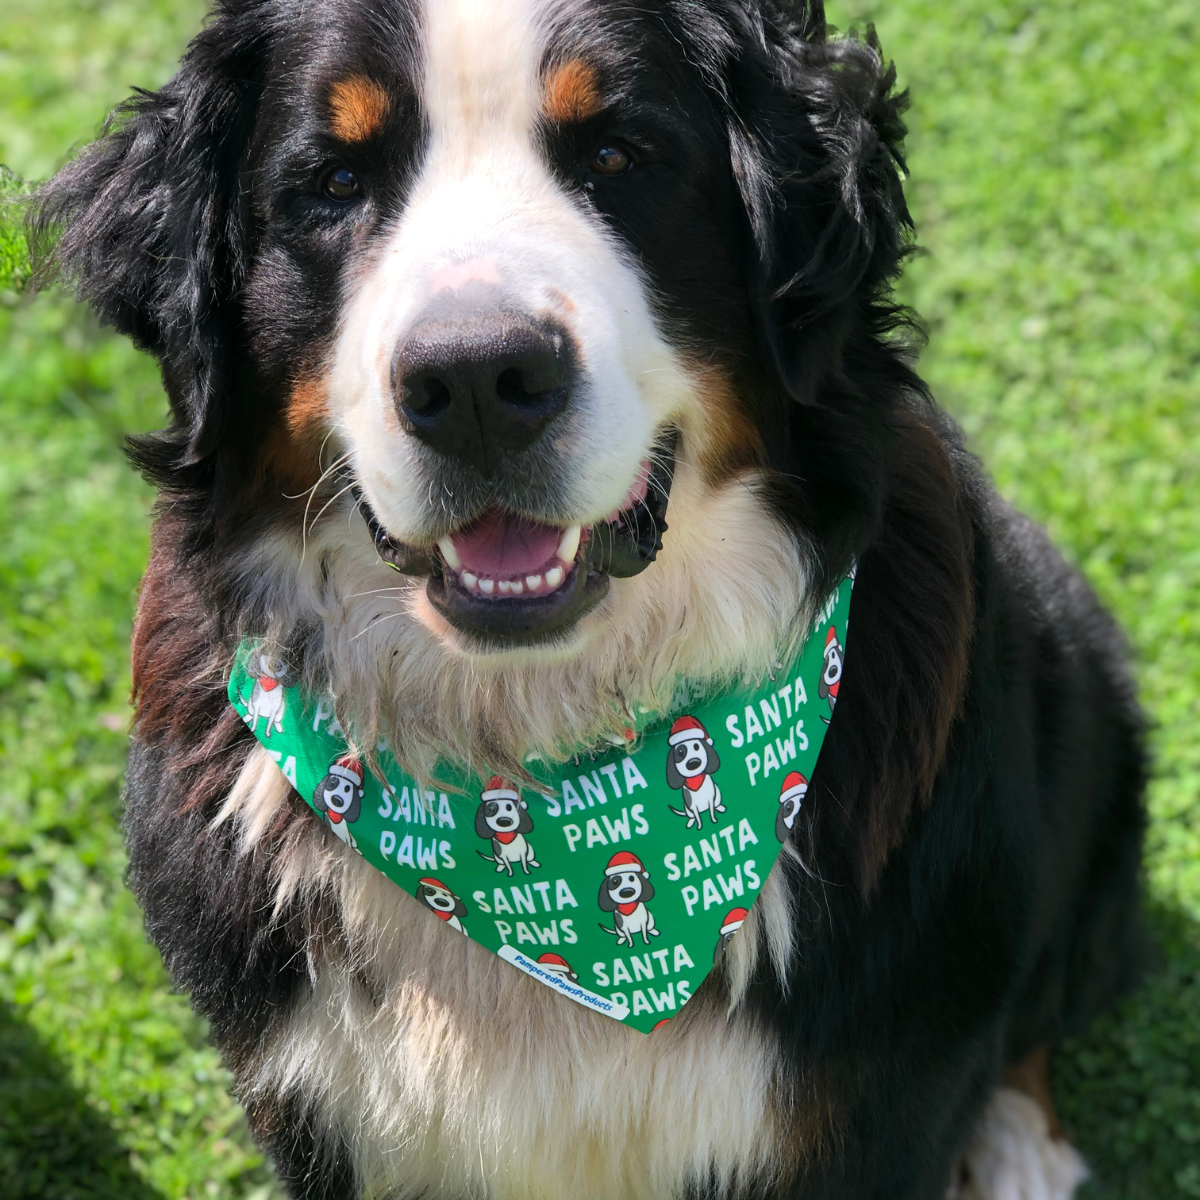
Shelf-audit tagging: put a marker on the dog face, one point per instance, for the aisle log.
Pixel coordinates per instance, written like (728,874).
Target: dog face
(502,277)
(831,675)
(269,666)
(696,756)
(440,900)
(625,887)
(502,816)
(785,817)
(337,796)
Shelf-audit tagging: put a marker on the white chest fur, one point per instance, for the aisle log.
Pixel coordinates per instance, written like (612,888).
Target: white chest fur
(446,1071)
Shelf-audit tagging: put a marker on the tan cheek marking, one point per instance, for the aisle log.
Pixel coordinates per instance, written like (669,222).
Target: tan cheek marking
(726,438)
(1032,1076)
(292,448)
(358,107)
(572,93)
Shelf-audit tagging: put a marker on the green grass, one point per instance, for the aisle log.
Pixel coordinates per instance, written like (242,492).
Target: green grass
(1055,158)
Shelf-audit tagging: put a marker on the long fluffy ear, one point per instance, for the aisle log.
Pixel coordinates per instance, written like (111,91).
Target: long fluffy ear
(319,794)
(150,226)
(647,889)
(714,759)
(482,828)
(605,899)
(815,135)
(674,779)
(525,824)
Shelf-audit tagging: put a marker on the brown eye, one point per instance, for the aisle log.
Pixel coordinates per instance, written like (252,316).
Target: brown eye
(610,160)
(340,184)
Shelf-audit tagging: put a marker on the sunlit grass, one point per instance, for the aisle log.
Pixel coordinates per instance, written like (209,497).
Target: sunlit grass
(1056,182)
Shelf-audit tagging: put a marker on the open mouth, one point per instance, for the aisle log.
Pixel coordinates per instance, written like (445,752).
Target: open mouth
(508,577)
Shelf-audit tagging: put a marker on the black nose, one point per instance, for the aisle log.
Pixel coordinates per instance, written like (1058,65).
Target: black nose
(504,820)
(693,764)
(475,386)
(627,893)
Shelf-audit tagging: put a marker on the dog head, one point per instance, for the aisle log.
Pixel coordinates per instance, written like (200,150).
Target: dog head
(626,881)
(270,666)
(339,795)
(512,281)
(696,756)
(831,674)
(791,796)
(436,895)
(501,810)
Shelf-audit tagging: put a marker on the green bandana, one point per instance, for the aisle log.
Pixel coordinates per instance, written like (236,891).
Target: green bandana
(619,882)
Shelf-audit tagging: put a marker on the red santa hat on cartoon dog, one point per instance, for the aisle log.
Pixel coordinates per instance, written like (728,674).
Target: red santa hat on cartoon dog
(557,964)
(733,920)
(687,729)
(794,785)
(429,881)
(499,789)
(348,768)
(623,861)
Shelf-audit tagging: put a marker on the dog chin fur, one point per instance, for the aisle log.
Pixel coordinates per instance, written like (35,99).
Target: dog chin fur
(385,1050)
(725,600)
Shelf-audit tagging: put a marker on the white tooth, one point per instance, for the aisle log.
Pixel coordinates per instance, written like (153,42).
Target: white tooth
(517,587)
(505,586)
(446,546)
(533,582)
(554,577)
(487,586)
(469,580)
(569,546)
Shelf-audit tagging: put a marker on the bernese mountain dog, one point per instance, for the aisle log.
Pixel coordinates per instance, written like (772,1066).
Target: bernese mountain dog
(526,357)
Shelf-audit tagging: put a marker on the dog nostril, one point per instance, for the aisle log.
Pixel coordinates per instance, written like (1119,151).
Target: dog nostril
(532,383)
(509,387)
(427,395)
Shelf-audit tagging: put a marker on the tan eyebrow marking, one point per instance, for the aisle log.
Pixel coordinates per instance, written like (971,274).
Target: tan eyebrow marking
(357,108)
(572,92)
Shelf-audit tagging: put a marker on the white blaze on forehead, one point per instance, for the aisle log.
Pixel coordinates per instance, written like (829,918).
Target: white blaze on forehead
(481,70)
(486,212)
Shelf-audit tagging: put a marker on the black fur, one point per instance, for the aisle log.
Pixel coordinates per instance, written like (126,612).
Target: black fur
(972,832)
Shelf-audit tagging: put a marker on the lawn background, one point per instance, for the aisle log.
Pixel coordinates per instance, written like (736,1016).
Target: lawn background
(1055,178)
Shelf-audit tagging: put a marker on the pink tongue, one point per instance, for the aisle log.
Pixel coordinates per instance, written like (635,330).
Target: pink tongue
(501,546)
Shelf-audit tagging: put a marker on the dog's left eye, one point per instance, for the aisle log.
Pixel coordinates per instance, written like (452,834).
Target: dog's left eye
(610,159)
(340,184)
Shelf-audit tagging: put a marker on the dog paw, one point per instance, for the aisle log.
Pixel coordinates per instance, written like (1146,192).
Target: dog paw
(1012,1156)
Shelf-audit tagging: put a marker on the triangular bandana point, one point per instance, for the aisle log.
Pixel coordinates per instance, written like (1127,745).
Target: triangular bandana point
(622,878)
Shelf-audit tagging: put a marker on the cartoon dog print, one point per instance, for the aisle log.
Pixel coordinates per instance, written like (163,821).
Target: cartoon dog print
(624,893)
(267,698)
(732,923)
(442,902)
(831,676)
(692,761)
(503,817)
(338,797)
(557,965)
(791,795)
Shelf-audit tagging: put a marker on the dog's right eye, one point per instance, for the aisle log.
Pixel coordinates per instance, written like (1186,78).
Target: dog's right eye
(340,184)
